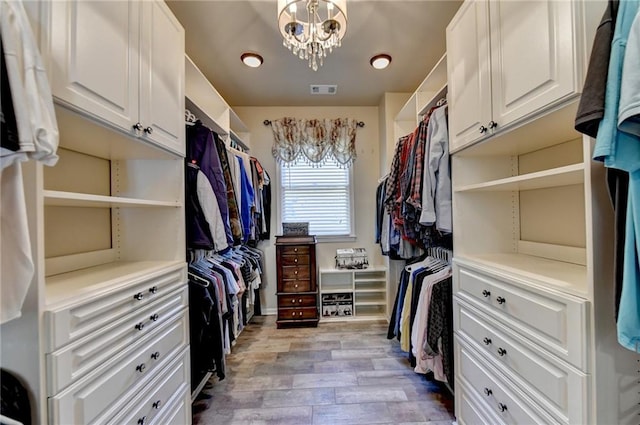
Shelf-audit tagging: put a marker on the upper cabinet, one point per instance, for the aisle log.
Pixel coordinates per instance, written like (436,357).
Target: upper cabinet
(122,63)
(509,60)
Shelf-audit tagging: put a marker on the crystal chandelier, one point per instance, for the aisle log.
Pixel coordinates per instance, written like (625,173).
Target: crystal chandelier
(307,33)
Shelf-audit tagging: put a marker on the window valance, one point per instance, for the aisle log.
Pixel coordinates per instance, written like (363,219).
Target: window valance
(314,140)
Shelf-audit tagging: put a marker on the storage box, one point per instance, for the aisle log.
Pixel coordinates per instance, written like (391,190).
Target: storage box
(336,305)
(295,229)
(352,258)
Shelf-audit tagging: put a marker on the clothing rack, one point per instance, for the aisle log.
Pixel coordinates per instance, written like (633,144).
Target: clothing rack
(360,124)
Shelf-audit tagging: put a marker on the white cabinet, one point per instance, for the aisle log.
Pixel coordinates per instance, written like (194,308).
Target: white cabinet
(121,62)
(508,61)
(353,294)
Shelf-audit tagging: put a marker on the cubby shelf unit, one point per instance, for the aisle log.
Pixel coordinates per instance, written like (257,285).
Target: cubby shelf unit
(367,289)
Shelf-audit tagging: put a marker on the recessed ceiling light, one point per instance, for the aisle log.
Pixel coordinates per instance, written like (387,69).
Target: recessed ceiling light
(380,61)
(253,60)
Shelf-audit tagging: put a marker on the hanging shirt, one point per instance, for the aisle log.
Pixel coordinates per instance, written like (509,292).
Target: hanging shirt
(211,211)
(247,200)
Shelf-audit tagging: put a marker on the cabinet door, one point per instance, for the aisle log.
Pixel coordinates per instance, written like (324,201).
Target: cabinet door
(94,58)
(162,77)
(532,56)
(468,73)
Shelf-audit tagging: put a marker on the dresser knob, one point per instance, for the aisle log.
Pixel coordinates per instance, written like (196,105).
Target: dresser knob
(501,300)
(295,286)
(156,355)
(296,272)
(141,367)
(293,313)
(487,392)
(300,300)
(153,289)
(502,352)
(482,129)
(148,130)
(138,296)
(142,420)
(138,126)
(486,341)
(154,317)
(486,293)
(295,249)
(293,301)
(140,326)
(493,124)
(295,261)
(300,314)
(502,407)
(157,404)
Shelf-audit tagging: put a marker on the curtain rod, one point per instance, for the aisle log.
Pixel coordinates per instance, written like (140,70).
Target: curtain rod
(359,123)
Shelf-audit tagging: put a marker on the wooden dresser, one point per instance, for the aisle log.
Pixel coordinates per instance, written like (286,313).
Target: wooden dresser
(297,288)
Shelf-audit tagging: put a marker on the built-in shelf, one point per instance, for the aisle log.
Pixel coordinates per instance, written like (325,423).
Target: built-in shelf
(370,303)
(72,199)
(365,293)
(562,176)
(370,291)
(337,290)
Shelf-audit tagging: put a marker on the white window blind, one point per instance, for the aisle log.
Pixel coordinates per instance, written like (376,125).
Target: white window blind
(318,195)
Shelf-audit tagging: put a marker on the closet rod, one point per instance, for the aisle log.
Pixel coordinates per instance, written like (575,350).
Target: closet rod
(359,123)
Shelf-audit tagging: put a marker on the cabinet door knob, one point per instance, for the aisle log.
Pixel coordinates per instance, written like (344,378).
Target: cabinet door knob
(486,341)
(148,130)
(501,300)
(154,317)
(138,296)
(153,289)
(138,126)
(493,124)
(156,355)
(140,326)
(486,293)
(502,352)
(157,404)
(487,392)
(141,367)
(502,407)
(482,129)
(142,420)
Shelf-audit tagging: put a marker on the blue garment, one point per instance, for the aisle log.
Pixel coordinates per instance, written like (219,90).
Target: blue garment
(248,199)
(622,151)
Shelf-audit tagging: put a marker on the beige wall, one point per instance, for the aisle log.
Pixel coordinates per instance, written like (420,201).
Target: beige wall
(366,172)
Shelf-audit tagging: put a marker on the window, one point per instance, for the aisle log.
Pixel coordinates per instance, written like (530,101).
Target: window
(320,195)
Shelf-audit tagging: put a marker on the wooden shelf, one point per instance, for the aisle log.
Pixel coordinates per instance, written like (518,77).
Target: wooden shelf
(562,176)
(73,199)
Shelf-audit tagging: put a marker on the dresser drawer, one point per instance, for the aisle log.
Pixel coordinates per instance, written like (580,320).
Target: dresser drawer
(77,359)
(549,319)
(498,396)
(289,301)
(177,413)
(553,383)
(296,286)
(95,396)
(296,272)
(469,410)
(73,321)
(295,250)
(294,260)
(166,391)
(298,313)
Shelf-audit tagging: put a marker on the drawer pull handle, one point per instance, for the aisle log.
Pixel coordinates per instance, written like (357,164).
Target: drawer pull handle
(295,261)
(486,341)
(501,300)
(141,367)
(295,249)
(140,326)
(154,317)
(293,301)
(293,313)
(300,314)
(493,124)
(157,404)
(482,129)
(296,272)
(487,392)
(153,289)
(138,296)
(502,407)
(149,130)
(156,355)
(486,293)
(502,352)
(138,126)
(142,420)
(295,286)
(300,300)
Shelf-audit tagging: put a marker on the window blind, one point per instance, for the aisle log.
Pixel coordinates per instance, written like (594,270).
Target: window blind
(318,195)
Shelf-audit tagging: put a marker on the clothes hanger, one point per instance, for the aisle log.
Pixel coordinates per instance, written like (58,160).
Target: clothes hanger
(197,279)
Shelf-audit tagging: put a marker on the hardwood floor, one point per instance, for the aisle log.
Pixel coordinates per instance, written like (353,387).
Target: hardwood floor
(338,373)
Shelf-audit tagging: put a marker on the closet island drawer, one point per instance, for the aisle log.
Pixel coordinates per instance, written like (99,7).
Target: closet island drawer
(510,405)
(166,391)
(550,319)
(95,397)
(94,351)
(74,320)
(469,410)
(553,383)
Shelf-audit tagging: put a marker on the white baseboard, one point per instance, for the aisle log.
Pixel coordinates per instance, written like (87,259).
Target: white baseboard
(271,312)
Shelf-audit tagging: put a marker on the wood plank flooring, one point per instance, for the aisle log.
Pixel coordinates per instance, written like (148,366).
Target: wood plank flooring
(338,373)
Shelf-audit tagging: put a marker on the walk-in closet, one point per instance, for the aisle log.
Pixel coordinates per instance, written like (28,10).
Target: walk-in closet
(317,212)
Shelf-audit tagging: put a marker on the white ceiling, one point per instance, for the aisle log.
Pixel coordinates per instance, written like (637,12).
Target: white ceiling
(219,31)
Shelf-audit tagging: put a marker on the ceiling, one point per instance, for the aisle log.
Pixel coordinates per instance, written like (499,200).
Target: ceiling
(219,31)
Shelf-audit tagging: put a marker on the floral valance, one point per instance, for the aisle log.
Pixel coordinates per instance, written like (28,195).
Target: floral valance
(314,140)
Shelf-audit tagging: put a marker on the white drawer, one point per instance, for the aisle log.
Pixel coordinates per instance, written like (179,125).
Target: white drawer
(469,411)
(73,321)
(177,413)
(166,391)
(87,354)
(558,387)
(552,320)
(508,403)
(94,398)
